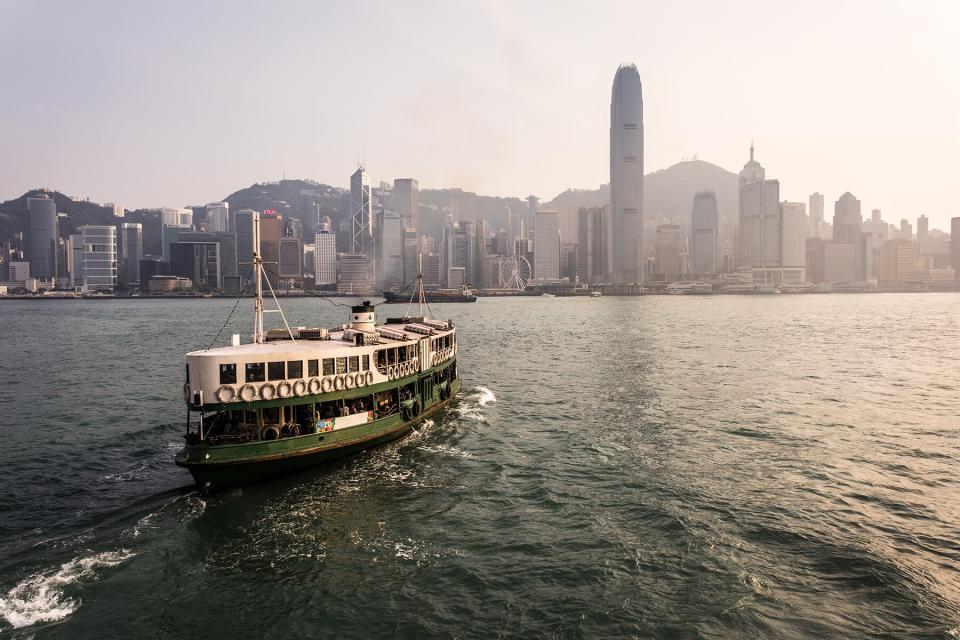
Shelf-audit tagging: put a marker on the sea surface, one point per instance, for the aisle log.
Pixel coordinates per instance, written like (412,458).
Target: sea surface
(656,467)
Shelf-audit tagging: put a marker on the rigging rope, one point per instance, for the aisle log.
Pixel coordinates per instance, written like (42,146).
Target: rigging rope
(232,311)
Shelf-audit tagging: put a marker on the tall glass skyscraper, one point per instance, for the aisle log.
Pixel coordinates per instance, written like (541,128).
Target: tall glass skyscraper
(43,237)
(626,174)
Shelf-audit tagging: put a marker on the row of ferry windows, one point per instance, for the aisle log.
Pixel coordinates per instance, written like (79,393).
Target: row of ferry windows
(292,369)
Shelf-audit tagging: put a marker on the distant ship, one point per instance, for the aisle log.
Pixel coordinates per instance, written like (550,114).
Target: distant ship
(297,397)
(439,295)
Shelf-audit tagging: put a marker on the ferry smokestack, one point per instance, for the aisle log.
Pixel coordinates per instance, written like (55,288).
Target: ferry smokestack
(362,318)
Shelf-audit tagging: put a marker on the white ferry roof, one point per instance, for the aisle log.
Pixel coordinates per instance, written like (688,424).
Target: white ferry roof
(335,344)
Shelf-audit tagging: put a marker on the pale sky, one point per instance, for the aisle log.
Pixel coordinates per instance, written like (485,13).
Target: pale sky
(176,103)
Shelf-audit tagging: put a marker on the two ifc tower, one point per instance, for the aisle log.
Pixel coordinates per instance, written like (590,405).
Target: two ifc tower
(626,175)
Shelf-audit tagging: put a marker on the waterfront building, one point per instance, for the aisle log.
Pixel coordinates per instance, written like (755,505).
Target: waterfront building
(431,270)
(626,175)
(406,202)
(897,261)
(840,262)
(546,245)
(291,259)
(131,253)
(95,257)
(198,262)
(18,271)
(593,244)
(325,256)
(353,273)
(923,234)
(704,233)
(389,262)
(43,237)
(668,251)
(218,217)
(847,219)
(816,227)
(793,229)
(533,203)
(877,227)
(815,250)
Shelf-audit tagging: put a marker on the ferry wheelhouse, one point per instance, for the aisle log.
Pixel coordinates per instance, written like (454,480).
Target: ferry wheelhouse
(295,397)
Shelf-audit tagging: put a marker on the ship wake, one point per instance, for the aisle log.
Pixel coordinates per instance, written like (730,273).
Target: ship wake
(43,597)
(472,404)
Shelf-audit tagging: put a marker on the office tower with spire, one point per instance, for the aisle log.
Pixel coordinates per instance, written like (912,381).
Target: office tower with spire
(759,235)
(704,233)
(626,174)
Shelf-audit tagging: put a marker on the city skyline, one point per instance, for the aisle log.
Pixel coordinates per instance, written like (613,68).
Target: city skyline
(543,112)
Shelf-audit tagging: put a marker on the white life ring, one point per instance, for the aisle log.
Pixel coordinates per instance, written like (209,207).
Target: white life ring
(284,389)
(326,384)
(248,393)
(348,381)
(268,391)
(338,383)
(226,393)
(369,377)
(313,386)
(433,360)
(360,379)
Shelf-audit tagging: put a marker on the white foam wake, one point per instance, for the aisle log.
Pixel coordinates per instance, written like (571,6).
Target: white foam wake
(41,597)
(485,396)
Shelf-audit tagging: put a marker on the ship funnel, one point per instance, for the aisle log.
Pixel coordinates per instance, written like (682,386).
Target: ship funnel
(362,318)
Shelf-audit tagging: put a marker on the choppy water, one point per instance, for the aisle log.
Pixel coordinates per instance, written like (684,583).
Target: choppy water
(666,467)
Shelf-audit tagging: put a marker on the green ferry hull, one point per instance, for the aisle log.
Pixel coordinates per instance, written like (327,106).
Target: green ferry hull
(222,466)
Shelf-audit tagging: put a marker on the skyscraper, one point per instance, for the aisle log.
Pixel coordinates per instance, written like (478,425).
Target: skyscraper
(96,248)
(218,217)
(923,233)
(131,252)
(325,255)
(406,202)
(848,229)
(244,221)
(906,230)
(361,214)
(390,248)
(793,242)
(43,237)
(704,233)
(668,247)
(271,228)
(816,216)
(546,245)
(593,244)
(626,174)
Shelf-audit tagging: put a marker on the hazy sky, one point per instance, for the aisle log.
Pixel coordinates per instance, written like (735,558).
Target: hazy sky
(175,103)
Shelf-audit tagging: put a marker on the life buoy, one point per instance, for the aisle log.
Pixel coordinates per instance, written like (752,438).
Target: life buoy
(270,433)
(390,373)
(248,393)
(284,389)
(268,391)
(349,381)
(369,377)
(313,386)
(226,393)
(294,430)
(361,379)
(338,383)
(299,388)
(326,384)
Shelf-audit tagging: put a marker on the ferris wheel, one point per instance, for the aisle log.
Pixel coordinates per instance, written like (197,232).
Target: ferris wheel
(514,272)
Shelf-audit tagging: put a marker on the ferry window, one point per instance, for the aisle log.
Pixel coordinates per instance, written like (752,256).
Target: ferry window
(276,370)
(255,372)
(228,374)
(313,368)
(271,415)
(354,363)
(366,362)
(341,365)
(295,369)
(328,369)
